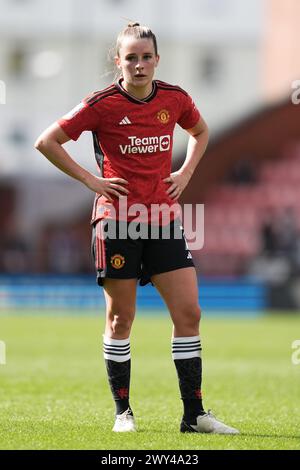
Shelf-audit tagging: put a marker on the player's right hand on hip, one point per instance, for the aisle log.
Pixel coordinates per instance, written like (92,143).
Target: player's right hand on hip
(108,187)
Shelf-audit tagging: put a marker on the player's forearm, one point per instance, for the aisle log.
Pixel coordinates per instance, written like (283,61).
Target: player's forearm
(196,148)
(58,156)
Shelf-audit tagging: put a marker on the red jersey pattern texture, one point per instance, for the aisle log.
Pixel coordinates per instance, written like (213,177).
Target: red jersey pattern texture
(135,137)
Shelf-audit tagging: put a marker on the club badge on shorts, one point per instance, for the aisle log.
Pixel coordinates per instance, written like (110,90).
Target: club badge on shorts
(117,261)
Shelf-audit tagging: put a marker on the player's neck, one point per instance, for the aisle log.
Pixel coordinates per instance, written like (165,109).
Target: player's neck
(138,92)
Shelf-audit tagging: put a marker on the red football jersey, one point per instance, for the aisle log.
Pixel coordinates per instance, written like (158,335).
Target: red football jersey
(133,140)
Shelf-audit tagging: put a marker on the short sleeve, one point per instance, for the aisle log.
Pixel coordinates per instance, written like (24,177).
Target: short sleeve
(81,118)
(189,115)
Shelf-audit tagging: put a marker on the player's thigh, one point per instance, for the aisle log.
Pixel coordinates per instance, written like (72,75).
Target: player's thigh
(179,289)
(120,297)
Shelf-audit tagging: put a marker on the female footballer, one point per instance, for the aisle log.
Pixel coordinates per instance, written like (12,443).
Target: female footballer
(132,122)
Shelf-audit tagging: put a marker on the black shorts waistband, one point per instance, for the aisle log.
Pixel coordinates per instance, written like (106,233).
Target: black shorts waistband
(138,230)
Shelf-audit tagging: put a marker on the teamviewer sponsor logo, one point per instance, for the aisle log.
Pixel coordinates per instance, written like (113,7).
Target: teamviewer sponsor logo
(164,143)
(146,145)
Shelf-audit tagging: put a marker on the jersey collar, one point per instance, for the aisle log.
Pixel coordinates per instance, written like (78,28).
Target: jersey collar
(125,93)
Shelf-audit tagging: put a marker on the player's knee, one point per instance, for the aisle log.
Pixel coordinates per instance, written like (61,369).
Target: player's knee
(190,317)
(121,324)
(194,316)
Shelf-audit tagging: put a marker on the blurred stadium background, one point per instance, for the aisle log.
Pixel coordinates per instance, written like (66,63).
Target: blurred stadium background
(238,60)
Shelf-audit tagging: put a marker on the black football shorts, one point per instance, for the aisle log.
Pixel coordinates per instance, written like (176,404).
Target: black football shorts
(126,250)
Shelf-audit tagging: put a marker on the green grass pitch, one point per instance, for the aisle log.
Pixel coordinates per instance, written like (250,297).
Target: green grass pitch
(54,393)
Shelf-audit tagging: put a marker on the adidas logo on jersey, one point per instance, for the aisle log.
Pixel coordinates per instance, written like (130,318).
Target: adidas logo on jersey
(125,121)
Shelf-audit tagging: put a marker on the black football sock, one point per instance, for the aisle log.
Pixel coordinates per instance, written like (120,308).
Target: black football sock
(117,360)
(186,352)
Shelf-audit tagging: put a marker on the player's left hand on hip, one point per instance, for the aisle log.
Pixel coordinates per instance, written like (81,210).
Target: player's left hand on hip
(178,182)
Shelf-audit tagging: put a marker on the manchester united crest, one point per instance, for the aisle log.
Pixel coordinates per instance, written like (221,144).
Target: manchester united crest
(163,116)
(117,261)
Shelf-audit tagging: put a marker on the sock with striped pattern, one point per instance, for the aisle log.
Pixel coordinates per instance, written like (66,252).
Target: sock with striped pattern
(117,359)
(186,353)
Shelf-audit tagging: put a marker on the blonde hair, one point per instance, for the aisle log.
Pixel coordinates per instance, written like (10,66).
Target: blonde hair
(137,31)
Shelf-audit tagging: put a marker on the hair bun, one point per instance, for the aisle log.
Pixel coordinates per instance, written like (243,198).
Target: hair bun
(132,25)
